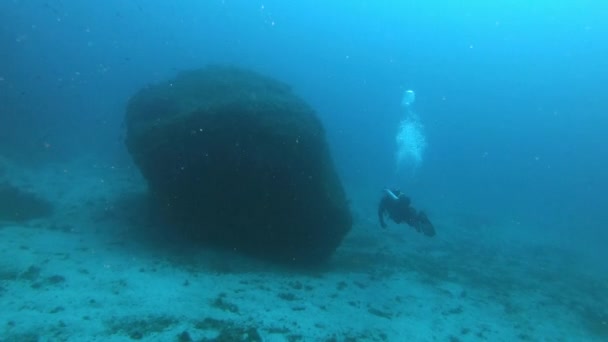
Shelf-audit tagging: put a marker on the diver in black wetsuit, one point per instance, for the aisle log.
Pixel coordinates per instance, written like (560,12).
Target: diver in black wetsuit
(398,208)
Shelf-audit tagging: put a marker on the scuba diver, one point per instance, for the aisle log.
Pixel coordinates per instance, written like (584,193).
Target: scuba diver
(397,205)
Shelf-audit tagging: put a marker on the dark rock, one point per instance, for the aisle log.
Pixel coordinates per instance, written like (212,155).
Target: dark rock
(221,303)
(138,328)
(184,337)
(290,297)
(238,160)
(32,273)
(55,279)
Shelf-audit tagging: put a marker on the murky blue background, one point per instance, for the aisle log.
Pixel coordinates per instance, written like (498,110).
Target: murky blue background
(512,94)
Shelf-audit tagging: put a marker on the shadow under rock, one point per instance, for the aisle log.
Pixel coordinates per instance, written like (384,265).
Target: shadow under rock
(18,205)
(134,221)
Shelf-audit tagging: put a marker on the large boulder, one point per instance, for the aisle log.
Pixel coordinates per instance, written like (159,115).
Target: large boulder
(236,158)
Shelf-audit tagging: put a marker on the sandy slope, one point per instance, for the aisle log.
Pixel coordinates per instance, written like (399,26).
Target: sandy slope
(98,270)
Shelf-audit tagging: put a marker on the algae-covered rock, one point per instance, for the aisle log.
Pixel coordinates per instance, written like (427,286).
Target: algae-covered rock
(236,158)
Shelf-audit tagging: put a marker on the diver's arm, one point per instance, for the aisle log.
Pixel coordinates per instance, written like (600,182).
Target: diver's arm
(381,209)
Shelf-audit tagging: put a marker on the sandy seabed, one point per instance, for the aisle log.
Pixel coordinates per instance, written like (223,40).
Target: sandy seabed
(99,270)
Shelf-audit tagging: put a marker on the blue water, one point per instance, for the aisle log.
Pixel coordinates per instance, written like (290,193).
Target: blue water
(511,111)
